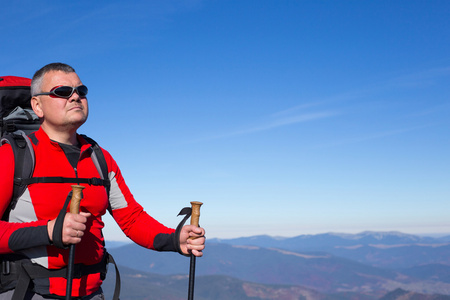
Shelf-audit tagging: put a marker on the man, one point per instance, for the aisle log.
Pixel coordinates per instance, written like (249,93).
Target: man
(59,100)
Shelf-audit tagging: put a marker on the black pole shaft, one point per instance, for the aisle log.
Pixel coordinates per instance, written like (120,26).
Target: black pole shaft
(70,269)
(191,278)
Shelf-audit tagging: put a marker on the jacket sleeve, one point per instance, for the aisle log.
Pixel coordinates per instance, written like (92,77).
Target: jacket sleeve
(134,221)
(16,236)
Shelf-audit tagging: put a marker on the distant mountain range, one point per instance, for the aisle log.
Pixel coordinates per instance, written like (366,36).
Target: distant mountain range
(369,265)
(141,286)
(377,249)
(145,286)
(326,241)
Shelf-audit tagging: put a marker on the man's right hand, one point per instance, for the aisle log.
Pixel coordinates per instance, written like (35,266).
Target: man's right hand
(73,227)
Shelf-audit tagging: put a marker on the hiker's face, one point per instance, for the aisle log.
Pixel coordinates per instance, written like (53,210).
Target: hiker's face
(61,113)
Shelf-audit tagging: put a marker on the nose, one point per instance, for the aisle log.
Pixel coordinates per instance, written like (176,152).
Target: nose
(75,97)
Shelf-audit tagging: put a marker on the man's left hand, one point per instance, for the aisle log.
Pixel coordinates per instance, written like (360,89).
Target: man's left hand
(192,240)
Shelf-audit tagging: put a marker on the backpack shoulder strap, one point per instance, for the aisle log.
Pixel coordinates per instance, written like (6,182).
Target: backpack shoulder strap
(99,160)
(24,160)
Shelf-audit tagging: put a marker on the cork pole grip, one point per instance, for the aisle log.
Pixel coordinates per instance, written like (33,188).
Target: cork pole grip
(76,199)
(195,216)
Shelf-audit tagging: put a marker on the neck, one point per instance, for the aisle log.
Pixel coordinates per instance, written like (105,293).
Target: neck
(68,137)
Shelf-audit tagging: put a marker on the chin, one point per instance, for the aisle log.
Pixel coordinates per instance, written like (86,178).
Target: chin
(77,123)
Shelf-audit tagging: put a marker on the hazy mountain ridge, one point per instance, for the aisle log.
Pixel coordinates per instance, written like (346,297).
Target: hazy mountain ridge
(138,285)
(400,294)
(365,266)
(372,248)
(142,285)
(325,241)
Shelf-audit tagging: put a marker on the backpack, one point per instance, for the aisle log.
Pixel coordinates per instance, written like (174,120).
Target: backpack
(17,120)
(15,107)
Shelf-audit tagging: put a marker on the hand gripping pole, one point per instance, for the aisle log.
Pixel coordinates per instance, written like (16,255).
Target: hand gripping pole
(195,216)
(77,195)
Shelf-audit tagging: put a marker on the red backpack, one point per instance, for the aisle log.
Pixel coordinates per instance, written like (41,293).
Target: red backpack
(15,106)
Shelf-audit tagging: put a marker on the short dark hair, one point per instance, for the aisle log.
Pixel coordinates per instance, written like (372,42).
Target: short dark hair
(36,81)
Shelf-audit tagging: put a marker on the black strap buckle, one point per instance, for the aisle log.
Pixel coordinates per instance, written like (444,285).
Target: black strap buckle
(95,181)
(6,267)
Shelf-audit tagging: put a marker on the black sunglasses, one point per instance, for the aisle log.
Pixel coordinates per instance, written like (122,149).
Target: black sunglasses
(66,91)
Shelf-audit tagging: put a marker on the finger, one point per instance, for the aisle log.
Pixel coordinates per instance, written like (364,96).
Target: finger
(197,232)
(78,225)
(197,253)
(79,233)
(197,241)
(82,217)
(72,237)
(76,235)
(85,214)
(194,248)
(196,244)
(75,229)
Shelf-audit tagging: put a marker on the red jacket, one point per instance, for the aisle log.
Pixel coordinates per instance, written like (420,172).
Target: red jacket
(26,231)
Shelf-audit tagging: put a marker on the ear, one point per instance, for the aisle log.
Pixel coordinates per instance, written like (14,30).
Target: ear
(37,106)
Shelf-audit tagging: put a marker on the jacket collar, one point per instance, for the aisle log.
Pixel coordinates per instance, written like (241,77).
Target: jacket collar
(42,136)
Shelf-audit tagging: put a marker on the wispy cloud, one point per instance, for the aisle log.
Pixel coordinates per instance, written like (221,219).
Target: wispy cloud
(420,79)
(359,101)
(372,136)
(442,108)
(323,101)
(285,121)
(275,121)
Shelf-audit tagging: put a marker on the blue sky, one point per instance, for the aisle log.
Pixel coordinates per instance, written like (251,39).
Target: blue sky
(283,117)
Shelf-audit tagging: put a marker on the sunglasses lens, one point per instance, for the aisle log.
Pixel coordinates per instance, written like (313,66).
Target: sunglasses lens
(82,90)
(63,91)
(66,91)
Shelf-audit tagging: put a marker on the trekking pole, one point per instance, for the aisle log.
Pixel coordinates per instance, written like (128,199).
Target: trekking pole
(195,216)
(77,195)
